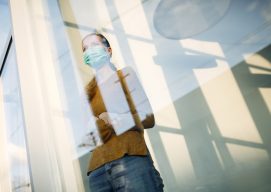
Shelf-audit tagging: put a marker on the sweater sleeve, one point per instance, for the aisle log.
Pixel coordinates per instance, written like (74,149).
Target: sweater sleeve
(105,130)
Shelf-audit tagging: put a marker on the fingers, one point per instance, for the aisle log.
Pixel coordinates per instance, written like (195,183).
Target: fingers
(105,117)
(110,118)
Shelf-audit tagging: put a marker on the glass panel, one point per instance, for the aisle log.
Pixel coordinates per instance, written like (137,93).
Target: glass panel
(206,72)
(204,69)
(19,165)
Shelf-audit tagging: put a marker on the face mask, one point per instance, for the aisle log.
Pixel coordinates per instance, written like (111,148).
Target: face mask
(96,56)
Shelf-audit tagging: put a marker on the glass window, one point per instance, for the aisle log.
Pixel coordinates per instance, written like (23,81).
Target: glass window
(204,68)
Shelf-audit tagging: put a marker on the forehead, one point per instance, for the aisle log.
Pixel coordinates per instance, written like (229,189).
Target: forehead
(91,40)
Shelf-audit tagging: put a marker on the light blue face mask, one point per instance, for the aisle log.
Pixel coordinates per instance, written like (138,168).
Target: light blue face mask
(96,56)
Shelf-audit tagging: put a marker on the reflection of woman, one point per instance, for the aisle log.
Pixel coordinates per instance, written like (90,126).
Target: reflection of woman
(122,162)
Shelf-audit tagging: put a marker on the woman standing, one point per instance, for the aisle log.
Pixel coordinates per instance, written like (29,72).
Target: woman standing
(122,162)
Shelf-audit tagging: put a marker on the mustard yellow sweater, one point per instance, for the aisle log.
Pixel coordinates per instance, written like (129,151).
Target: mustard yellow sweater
(131,142)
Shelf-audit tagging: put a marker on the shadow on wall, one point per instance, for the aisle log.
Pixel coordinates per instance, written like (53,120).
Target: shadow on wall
(220,161)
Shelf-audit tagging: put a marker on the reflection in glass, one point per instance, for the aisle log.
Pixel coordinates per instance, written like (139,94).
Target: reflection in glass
(191,78)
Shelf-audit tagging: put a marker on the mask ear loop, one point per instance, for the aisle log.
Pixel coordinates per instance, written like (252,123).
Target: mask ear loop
(113,67)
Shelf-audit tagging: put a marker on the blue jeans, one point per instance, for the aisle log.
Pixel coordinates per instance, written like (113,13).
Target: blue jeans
(129,173)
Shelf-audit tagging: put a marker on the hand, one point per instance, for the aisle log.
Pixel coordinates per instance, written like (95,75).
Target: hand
(110,118)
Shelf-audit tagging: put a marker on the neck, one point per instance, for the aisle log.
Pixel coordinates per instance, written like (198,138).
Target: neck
(104,73)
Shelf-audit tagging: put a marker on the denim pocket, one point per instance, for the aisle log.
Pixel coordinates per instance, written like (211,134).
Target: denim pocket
(97,172)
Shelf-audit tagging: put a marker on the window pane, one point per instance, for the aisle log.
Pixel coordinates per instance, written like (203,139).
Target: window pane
(205,67)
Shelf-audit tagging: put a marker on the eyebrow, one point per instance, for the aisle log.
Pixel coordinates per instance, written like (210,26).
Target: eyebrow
(93,43)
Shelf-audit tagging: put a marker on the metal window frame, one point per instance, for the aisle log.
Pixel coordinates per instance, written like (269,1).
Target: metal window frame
(5,53)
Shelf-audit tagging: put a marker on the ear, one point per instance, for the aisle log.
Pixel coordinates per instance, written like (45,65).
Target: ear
(110,51)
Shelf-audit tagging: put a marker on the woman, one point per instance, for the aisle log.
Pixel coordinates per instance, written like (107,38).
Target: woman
(122,162)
